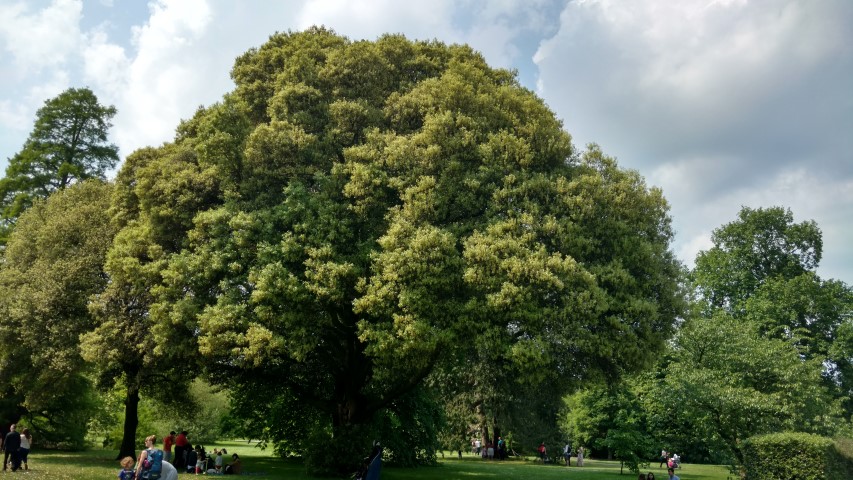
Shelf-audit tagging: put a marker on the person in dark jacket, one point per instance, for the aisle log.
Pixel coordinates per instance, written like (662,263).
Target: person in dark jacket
(12,447)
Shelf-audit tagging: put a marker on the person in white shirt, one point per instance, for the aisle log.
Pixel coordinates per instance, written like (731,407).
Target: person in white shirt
(26,441)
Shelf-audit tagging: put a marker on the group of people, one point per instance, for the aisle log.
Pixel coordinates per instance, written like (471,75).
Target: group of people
(673,461)
(16,448)
(154,464)
(567,454)
(651,476)
(196,459)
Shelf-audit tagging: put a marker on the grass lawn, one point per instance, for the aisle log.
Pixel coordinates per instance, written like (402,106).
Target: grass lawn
(261,465)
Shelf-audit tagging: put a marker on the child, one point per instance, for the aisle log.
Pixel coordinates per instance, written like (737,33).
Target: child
(201,460)
(126,472)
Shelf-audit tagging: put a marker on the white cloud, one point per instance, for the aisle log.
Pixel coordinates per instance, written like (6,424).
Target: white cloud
(704,74)
(153,87)
(40,40)
(826,200)
(365,19)
(721,104)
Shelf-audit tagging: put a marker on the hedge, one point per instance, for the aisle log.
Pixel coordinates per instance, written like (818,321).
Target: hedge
(797,456)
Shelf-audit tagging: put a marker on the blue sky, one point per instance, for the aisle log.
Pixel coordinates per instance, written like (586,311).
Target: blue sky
(721,103)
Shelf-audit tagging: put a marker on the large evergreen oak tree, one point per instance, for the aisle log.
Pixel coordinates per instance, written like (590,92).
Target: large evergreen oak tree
(354,212)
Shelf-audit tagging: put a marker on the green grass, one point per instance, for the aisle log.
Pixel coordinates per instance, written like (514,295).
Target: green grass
(262,465)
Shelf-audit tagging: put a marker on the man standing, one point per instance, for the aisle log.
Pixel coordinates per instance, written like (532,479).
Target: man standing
(672,475)
(11,446)
(167,446)
(181,448)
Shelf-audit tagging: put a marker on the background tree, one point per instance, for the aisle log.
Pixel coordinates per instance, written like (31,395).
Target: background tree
(609,421)
(68,144)
(53,263)
(727,382)
(760,245)
(812,315)
(156,195)
(762,268)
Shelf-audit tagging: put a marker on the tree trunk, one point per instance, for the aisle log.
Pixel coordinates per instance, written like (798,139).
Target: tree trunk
(131,421)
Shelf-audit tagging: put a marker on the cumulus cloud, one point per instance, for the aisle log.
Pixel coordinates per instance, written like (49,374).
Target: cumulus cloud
(42,39)
(696,76)
(721,103)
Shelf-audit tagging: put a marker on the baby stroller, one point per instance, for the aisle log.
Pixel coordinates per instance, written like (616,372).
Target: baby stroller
(371,465)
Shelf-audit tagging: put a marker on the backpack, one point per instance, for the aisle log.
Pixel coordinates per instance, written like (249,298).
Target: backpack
(153,464)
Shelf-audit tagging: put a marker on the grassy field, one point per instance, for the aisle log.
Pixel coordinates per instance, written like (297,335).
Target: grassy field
(262,465)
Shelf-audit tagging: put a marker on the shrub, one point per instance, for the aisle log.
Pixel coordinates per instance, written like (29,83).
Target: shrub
(797,456)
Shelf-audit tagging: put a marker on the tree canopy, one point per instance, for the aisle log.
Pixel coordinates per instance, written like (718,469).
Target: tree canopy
(68,144)
(760,245)
(727,382)
(53,263)
(361,210)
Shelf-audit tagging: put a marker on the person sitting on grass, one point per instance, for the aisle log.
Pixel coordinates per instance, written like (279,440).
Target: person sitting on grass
(235,467)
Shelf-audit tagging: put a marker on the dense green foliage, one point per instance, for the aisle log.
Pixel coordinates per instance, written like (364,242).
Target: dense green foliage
(53,263)
(726,382)
(123,346)
(796,456)
(761,268)
(610,421)
(356,216)
(761,245)
(68,144)
(766,348)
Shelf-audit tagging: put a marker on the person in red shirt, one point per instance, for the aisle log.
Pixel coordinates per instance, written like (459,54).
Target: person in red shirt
(167,446)
(181,446)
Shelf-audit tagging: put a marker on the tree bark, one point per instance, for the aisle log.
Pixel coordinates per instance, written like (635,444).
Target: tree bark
(131,421)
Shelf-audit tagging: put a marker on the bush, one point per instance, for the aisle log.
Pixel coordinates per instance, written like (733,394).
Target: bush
(797,456)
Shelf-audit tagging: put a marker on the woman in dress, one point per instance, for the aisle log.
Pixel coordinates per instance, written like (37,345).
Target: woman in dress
(580,456)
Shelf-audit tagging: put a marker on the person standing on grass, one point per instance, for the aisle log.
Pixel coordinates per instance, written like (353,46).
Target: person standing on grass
(181,450)
(580,457)
(26,441)
(167,446)
(11,449)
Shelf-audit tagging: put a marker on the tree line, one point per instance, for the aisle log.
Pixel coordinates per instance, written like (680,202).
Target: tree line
(393,240)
